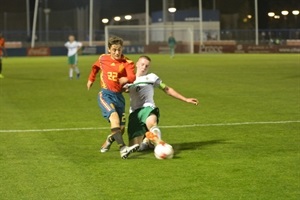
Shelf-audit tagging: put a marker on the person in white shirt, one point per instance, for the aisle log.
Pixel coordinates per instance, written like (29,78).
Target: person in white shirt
(144,115)
(73,46)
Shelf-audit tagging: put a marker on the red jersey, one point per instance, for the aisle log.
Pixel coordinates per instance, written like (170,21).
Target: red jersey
(111,71)
(2,43)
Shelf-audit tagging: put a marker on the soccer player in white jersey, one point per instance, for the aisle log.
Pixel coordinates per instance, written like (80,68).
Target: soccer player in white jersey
(73,46)
(144,115)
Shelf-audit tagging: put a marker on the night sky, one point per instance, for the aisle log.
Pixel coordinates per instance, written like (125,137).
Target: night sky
(110,8)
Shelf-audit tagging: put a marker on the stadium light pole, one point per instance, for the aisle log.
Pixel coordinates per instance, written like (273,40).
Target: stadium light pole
(165,5)
(91,23)
(271,15)
(147,21)
(172,10)
(256,23)
(200,26)
(34,23)
(47,12)
(28,18)
(296,13)
(285,13)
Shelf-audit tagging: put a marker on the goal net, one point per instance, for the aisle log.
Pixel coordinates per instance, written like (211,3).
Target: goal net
(152,38)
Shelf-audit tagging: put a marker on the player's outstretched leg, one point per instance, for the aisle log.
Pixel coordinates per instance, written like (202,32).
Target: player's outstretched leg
(106,145)
(154,138)
(126,151)
(145,145)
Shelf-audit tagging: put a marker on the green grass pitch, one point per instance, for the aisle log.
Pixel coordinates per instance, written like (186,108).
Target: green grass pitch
(241,142)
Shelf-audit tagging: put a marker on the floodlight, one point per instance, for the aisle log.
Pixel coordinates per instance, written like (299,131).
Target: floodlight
(117,18)
(271,14)
(284,12)
(295,12)
(172,10)
(105,20)
(128,17)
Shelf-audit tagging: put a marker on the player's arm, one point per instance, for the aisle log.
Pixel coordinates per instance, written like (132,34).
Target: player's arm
(5,52)
(130,72)
(4,49)
(93,73)
(130,75)
(79,46)
(170,91)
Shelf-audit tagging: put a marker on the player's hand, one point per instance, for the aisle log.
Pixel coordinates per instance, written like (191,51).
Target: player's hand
(126,90)
(89,84)
(123,80)
(126,87)
(192,101)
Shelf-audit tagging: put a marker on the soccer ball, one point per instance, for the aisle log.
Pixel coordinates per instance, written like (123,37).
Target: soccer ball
(163,151)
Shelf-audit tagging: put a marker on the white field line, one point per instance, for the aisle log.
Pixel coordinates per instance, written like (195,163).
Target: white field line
(173,126)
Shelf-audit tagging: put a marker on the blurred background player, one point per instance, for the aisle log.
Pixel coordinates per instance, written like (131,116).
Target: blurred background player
(144,115)
(2,52)
(73,47)
(172,44)
(116,70)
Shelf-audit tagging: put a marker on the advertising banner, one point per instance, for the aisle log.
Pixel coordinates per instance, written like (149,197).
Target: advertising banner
(38,51)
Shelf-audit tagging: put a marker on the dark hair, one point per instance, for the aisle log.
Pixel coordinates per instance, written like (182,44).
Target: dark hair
(115,40)
(146,57)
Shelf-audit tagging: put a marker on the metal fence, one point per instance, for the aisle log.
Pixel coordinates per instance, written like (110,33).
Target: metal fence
(58,37)
(265,36)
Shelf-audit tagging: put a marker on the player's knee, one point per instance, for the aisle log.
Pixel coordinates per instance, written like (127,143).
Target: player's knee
(122,129)
(151,120)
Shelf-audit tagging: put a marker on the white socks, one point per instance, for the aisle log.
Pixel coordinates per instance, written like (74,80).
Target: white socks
(156,130)
(77,70)
(71,71)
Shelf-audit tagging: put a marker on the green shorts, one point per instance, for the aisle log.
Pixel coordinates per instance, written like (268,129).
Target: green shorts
(137,121)
(72,60)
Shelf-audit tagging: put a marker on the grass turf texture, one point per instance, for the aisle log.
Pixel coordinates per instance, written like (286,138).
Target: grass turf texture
(221,157)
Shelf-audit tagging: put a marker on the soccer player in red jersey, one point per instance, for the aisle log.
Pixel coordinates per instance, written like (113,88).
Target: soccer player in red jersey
(116,71)
(2,50)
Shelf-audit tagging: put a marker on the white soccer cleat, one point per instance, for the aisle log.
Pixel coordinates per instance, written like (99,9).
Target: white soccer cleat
(106,146)
(145,145)
(126,151)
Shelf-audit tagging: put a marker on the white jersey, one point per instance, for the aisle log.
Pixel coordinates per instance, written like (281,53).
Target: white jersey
(72,47)
(141,91)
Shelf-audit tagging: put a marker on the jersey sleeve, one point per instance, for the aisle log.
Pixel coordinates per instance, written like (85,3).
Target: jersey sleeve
(130,70)
(158,82)
(2,46)
(2,43)
(94,71)
(153,78)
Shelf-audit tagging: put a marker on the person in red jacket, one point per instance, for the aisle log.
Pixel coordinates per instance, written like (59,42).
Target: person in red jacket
(2,51)
(116,71)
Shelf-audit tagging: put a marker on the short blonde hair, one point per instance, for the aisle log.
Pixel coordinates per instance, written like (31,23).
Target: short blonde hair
(146,57)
